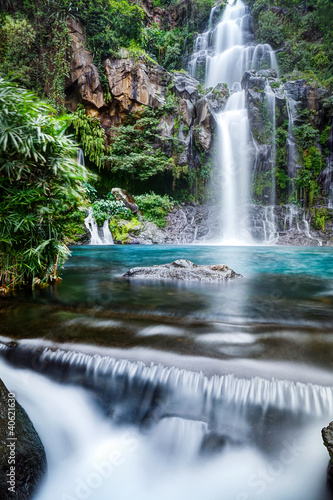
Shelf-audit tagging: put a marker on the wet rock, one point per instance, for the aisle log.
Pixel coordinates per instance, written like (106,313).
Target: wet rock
(218,97)
(327,434)
(184,270)
(213,443)
(30,459)
(306,96)
(147,233)
(126,198)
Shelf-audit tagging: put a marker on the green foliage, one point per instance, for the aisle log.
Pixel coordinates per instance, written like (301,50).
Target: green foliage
(307,176)
(106,209)
(154,207)
(40,184)
(90,133)
(270,29)
(305,135)
(16,38)
(90,191)
(303,30)
(135,150)
(110,25)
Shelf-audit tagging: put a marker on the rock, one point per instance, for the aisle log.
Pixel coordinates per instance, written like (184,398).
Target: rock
(185,86)
(327,434)
(136,82)
(187,111)
(307,97)
(83,77)
(148,234)
(203,133)
(184,270)
(30,460)
(126,198)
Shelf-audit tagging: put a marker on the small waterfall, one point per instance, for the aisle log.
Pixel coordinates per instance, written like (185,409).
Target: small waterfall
(95,238)
(107,235)
(271,130)
(187,393)
(292,152)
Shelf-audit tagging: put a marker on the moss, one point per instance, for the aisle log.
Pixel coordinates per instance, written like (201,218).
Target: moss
(121,228)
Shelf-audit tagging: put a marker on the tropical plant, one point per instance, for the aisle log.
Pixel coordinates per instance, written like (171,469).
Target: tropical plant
(40,184)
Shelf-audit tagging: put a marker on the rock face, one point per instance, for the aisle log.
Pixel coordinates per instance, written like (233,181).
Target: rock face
(134,83)
(327,434)
(184,270)
(30,459)
(83,84)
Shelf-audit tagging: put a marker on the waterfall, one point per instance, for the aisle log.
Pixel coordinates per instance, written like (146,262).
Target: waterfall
(233,138)
(170,430)
(107,236)
(95,238)
(291,143)
(226,62)
(271,117)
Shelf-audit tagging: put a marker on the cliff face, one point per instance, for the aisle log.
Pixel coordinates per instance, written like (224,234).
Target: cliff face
(134,82)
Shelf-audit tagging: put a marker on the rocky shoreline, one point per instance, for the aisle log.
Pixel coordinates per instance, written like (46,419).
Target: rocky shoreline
(201,224)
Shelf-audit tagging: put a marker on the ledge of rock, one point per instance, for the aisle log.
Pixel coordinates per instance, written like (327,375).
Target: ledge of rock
(184,270)
(30,458)
(327,434)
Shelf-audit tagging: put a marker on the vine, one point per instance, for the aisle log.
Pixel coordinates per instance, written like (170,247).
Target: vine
(90,133)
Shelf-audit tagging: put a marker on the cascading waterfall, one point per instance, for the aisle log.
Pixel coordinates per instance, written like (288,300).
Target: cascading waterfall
(229,52)
(95,238)
(171,431)
(233,137)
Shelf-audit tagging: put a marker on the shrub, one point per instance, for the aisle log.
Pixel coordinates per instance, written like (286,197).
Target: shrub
(154,207)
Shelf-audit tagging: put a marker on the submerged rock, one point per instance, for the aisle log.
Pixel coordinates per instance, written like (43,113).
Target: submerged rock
(184,270)
(21,449)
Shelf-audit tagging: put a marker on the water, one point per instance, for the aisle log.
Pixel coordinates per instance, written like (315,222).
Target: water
(95,238)
(271,117)
(227,63)
(163,390)
(233,138)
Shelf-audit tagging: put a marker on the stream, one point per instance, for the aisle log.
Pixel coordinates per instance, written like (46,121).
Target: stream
(164,389)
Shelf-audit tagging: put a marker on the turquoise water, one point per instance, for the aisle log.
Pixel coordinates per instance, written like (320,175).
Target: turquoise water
(282,309)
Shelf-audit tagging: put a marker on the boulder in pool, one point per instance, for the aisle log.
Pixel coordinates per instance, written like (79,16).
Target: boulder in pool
(184,270)
(22,458)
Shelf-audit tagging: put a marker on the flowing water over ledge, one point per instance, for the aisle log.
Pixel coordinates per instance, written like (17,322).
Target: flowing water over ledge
(159,389)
